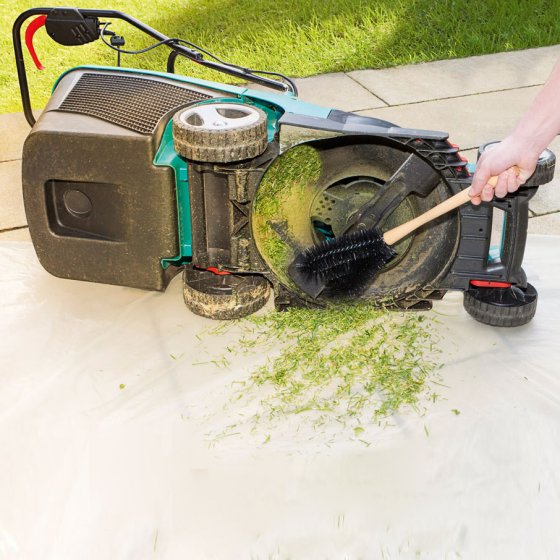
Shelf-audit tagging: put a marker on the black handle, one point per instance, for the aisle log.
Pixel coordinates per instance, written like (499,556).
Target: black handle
(176,48)
(516,210)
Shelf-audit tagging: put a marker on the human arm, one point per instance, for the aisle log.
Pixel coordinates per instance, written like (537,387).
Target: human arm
(534,132)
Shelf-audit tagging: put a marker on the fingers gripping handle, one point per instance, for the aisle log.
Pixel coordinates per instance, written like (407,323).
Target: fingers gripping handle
(32,28)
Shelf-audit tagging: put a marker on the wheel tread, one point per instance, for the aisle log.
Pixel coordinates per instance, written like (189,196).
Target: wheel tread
(497,316)
(220,146)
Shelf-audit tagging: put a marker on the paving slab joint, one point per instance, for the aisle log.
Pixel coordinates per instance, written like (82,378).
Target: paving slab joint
(368,90)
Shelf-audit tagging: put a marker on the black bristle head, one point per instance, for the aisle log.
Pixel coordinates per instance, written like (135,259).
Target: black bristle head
(347,259)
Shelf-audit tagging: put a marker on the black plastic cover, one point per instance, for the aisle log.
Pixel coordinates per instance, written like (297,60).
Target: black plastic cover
(69,27)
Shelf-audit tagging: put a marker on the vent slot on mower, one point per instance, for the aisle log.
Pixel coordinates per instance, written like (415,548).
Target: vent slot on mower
(131,102)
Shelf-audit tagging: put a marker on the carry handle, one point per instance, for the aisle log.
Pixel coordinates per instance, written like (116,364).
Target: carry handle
(396,234)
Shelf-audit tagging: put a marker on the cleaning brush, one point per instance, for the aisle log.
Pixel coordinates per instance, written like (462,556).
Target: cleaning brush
(358,256)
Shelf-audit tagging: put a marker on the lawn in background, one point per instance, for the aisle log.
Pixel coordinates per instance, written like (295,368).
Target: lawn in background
(296,37)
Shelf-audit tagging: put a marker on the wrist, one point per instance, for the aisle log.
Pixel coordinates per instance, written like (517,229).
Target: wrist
(527,143)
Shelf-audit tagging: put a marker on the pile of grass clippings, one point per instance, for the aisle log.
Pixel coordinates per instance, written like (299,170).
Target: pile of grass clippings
(347,366)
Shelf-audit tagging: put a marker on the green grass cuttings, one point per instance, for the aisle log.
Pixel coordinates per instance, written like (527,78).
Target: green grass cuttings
(279,224)
(348,366)
(297,38)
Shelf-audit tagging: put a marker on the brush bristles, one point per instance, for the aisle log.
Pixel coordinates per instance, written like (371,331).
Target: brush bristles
(363,251)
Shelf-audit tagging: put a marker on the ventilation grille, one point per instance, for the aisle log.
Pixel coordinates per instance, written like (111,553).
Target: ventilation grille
(128,101)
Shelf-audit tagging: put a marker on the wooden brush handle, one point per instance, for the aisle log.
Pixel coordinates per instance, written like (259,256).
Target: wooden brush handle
(396,234)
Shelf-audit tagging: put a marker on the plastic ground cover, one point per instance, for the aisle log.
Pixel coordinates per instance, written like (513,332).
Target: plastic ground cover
(104,448)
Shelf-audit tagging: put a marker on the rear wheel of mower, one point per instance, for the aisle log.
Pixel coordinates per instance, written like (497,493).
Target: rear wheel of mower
(501,307)
(544,172)
(220,132)
(227,296)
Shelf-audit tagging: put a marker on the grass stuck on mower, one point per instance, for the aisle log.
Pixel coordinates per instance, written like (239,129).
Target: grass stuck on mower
(132,176)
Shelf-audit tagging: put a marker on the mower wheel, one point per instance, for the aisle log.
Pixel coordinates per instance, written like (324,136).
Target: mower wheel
(224,296)
(502,307)
(544,172)
(220,132)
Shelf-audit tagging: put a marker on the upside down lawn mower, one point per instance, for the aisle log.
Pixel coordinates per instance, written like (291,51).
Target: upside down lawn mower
(132,176)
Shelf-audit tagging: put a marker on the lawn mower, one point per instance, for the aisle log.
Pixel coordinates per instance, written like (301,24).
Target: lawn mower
(132,176)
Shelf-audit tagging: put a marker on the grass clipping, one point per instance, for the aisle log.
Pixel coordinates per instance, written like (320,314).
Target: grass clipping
(346,366)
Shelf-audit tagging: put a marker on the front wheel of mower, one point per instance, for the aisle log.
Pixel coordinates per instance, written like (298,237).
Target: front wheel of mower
(226,296)
(220,132)
(501,307)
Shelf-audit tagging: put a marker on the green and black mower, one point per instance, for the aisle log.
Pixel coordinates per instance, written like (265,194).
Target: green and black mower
(133,176)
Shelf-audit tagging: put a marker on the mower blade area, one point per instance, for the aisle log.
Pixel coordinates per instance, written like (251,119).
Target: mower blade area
(315,189)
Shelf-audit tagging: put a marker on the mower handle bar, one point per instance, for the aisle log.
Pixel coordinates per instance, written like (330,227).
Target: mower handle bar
(177,50)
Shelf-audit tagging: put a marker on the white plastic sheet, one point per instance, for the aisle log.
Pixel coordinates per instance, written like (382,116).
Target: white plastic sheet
(91,470)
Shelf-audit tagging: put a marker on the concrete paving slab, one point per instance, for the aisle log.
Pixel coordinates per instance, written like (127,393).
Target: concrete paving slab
(545,225)
(20,234)
(458,77)
(13,131)
(470,120)
(337,91)
(11,202)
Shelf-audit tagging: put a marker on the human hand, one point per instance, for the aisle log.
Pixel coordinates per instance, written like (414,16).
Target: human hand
(499,160)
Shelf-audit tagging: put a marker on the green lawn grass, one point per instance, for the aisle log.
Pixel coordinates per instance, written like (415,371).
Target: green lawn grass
(297,37)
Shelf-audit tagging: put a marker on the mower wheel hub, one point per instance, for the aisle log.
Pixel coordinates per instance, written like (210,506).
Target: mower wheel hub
(220,116)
